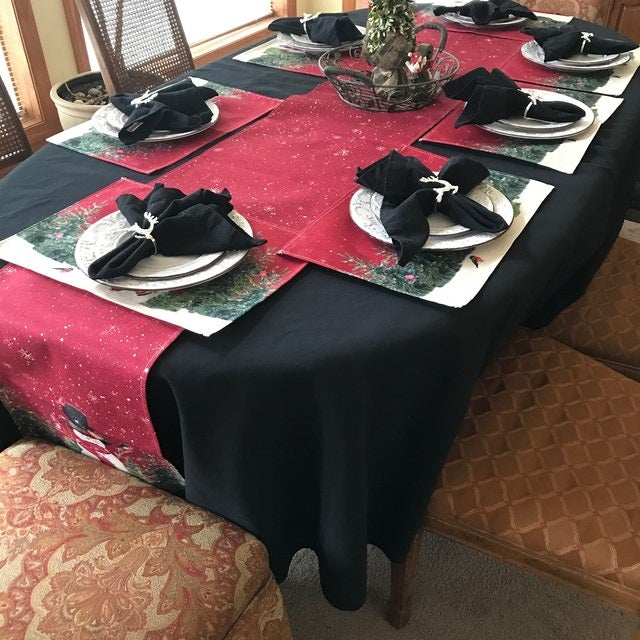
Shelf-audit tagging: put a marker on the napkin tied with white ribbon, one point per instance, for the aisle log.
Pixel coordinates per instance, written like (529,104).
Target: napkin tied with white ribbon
(177,108)
(578,38)
(333,29)
(411,191)
(483,12)
(494,96)
(171,223)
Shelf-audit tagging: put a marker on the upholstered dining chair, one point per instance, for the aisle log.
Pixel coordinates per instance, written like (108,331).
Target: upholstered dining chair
(87,551)
(139,43)
(605,322)
(593,10)
(545,473)
(14,145)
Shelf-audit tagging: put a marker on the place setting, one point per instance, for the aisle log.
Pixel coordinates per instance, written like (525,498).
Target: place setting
(172,112)
(484,14)
(402,203)
(572,51)
(315,34)
(165,241)
(423,225)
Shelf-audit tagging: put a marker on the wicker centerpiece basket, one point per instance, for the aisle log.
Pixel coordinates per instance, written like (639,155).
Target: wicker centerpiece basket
(347,70)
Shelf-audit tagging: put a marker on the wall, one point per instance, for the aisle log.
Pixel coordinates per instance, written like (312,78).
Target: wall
(52,27)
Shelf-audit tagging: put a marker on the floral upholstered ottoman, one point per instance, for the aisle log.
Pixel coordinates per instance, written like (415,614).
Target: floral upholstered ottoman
(89,552)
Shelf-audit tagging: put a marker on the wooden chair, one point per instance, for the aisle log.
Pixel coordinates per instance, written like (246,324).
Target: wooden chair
(139,43)
(545,473)
(88,551)
(14,145)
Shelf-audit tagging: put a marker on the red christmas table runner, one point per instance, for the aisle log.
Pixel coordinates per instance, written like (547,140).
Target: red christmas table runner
(237,108)
(292,165)
(75,369)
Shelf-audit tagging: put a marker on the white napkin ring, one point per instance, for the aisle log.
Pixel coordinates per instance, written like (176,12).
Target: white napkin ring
(146,233)
(306,17)
(440,191)
(145,97)
(585,37)
(532,103)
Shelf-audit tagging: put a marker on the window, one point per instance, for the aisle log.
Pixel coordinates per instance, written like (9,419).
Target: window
(24,70)
(213,29)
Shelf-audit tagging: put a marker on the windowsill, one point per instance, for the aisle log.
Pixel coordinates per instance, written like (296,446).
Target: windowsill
(223,45)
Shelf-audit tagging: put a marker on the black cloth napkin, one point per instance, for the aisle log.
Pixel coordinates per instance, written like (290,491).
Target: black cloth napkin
(186,224)
(178,107)
(483,12)
(333,29)
(493,96)
(408,201)
(578,36)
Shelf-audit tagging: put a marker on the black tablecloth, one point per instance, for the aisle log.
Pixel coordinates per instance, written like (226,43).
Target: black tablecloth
(322,417)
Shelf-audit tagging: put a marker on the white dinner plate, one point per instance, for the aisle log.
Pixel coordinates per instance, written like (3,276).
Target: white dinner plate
(506,128)
(108,120)
(505,23)
(303,43)
(365,206)
(533,52)
(91,246)
(589,59)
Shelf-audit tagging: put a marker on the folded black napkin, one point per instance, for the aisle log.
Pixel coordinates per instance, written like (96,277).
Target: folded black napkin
(408,199)
(493,96)
(173,224)
(179,107)
(483,12)
(333,29)
(578,37)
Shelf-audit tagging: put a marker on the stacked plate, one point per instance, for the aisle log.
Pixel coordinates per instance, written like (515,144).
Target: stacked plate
(529,128)
(581,63)
(303,44)
(445,235)
(158,272)
(505,23)
(110,120)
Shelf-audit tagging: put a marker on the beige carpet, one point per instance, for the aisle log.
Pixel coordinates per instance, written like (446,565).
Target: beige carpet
(460,594)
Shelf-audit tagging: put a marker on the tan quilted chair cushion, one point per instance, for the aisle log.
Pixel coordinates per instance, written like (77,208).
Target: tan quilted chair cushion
(605,322)
(593,10)
(90,553)
(546,469)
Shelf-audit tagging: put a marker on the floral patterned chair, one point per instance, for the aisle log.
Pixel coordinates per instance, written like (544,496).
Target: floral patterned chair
(87,551)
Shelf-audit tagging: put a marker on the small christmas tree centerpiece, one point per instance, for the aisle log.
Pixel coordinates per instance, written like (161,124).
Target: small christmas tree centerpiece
(390,44)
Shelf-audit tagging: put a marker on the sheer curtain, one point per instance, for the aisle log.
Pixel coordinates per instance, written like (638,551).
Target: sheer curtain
(203,19)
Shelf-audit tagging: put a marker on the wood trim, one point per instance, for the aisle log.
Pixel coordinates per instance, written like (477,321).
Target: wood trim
(40,119)
(283,8)
(348,5)
(76,36)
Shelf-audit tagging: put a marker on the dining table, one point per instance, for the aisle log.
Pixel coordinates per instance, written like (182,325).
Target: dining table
(321,417)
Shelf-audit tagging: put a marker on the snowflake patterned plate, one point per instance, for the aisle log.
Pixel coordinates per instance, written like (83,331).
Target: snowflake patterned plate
(365,212)
(530,128)
(110,120)
(533,52)
(160,273)
(505,23)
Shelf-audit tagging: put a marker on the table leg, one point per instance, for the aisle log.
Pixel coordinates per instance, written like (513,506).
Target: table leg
(402,576)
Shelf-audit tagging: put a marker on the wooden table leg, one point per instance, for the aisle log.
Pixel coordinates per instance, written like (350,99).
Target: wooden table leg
(402,576)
